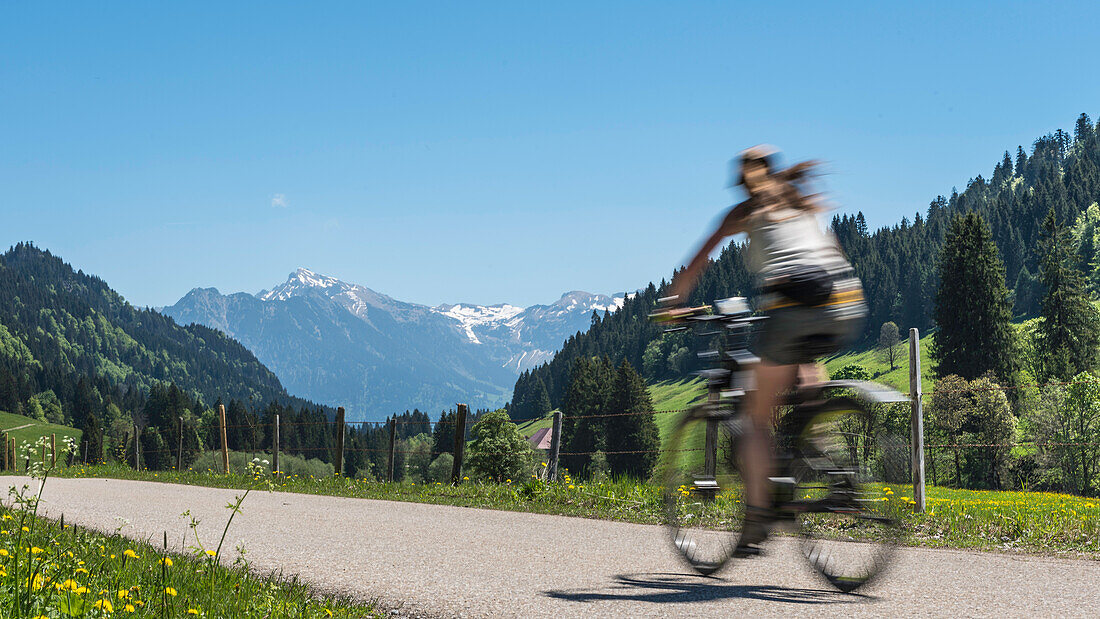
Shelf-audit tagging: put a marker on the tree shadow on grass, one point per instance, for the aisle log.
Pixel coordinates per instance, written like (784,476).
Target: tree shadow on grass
(673,588)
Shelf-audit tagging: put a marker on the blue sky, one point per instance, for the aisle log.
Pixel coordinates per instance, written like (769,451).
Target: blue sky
(498,152)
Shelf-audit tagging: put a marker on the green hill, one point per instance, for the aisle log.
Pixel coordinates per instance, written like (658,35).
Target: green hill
(70,345)
(898,378)
(27,430)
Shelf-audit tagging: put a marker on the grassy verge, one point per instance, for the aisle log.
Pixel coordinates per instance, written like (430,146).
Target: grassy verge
(52,569)
(1011,521)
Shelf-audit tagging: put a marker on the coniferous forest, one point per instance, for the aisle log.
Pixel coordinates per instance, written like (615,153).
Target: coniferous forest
(1058,175)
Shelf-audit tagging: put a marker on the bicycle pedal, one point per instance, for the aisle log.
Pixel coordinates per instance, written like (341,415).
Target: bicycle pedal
(747,552)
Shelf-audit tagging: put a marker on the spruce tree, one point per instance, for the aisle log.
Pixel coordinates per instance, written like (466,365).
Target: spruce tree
(1070,331)
(586,396)
(972,308)
(91,439)
(632,438)
(443,435)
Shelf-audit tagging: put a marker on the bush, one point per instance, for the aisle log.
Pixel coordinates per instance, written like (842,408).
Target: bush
(498,450)
(238,464)
(440,468)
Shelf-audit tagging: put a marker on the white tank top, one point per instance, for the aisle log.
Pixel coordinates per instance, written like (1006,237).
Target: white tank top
(782,240)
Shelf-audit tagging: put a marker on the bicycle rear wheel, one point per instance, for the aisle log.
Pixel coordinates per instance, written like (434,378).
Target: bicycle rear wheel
(702,494)
(850,523)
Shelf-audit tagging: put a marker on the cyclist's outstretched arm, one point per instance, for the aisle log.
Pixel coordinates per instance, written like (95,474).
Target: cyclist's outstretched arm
(684,282)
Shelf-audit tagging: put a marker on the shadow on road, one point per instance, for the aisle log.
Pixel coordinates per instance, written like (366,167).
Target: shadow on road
(677,588)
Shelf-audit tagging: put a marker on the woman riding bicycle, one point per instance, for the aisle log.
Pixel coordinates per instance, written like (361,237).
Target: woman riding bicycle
(808,290)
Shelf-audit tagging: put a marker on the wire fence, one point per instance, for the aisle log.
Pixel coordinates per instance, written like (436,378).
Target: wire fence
(966,459)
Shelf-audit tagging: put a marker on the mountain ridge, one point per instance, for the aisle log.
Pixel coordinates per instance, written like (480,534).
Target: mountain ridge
(343,342)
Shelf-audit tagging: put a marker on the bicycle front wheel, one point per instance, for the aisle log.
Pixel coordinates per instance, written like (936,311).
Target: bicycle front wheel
(702,487)
(850,521)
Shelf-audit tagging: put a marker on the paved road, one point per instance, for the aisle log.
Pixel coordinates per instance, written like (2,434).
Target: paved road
(451,561)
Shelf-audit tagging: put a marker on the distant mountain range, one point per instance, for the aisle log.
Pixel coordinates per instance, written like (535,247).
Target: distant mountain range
(345,344)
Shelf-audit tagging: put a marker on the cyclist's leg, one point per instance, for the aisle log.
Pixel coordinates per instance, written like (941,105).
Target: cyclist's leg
(757,451)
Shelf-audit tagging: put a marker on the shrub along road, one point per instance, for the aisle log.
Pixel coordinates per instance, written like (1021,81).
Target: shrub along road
(432,560)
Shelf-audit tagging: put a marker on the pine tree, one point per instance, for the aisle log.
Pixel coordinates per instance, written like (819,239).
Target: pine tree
(1070,331)
(91,439)
(581,433)
(443,435)
(539,403)
(632,437)
(972,308)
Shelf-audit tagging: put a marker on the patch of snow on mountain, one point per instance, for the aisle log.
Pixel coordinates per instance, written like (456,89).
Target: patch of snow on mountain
(615,305)
(470,316)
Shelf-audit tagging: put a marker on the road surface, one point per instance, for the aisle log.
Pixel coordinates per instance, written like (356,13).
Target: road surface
(432,560)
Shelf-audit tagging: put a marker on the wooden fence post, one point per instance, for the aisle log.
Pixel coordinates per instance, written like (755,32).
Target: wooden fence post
(460,444)
(393,442)
(137,448)
(710,440)
(917,420)
(179,449)
(225,443)
(53,450)
(275,446)
(555,447)
(5,435)
(339,441)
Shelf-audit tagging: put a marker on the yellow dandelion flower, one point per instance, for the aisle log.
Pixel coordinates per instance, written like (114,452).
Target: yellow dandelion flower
(36,550)
(26,530)
(166,561)
(212,553)
(105,605)
(4,552)
(123,594)
(170,591)
(192,611)
(129,608)
(570,486)
(131,554)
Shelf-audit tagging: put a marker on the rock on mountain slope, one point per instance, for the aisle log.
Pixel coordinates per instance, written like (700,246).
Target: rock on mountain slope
(346,344)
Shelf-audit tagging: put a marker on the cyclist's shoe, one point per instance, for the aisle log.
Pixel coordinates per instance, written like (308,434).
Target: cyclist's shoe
(754,530)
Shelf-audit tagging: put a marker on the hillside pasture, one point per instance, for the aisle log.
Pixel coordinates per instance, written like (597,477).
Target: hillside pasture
(27,430)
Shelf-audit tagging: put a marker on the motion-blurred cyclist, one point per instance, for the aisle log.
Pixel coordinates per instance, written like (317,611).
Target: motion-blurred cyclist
(808,290)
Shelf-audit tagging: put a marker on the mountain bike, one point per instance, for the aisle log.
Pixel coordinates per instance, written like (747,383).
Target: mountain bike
(834,462)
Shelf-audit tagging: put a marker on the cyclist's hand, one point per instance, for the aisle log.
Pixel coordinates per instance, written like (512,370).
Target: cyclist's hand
(669,310)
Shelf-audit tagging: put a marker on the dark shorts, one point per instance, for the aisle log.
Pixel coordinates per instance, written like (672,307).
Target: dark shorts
(796,334)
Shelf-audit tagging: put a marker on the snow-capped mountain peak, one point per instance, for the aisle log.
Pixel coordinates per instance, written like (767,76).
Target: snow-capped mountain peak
(298,282)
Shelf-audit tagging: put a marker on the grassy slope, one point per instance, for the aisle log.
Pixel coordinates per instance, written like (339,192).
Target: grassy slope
(897,378)
(35,430)
(666,395)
